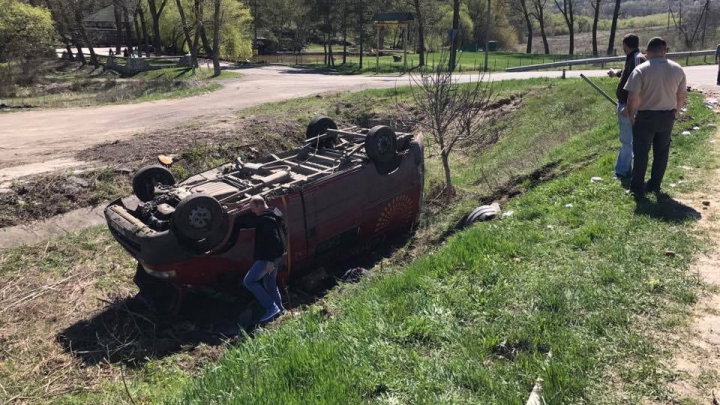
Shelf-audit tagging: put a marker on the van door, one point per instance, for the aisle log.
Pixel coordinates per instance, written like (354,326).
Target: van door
(333,210)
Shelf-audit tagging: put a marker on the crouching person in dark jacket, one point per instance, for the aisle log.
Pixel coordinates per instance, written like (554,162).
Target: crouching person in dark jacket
(269,249)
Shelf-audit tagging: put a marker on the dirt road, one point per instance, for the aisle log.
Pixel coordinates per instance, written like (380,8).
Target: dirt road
(39,141)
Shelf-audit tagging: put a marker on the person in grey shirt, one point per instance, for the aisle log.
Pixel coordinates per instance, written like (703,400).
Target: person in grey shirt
(657,91)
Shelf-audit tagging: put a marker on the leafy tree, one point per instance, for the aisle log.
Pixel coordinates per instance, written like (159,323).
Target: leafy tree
(25,31)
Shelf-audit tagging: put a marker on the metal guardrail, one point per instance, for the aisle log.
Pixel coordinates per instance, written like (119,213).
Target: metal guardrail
(598,61)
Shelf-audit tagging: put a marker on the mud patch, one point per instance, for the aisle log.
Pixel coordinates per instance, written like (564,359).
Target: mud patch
(222,138)
(48,196)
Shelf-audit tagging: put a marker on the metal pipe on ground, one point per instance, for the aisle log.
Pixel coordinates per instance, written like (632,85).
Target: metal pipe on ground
(599,89)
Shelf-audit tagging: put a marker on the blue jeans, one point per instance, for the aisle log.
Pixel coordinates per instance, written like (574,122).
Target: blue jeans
(261,281)
(623,167)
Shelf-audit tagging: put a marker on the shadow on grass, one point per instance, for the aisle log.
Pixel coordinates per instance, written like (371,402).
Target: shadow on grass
(667,209)
(126,331)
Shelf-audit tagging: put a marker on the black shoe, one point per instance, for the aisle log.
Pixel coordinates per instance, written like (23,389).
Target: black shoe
(653,189)
(637,195)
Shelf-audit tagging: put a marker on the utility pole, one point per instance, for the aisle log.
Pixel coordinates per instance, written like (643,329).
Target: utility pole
(487,36)
(454,35)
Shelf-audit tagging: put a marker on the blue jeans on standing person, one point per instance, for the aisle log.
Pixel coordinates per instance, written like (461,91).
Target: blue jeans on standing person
(623,167)
(262,283)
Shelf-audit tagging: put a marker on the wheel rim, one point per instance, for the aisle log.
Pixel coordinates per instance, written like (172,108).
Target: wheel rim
(200,217)
(384,145)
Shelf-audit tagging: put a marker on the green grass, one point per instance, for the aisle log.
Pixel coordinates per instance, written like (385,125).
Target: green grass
(476,320)
(572,295)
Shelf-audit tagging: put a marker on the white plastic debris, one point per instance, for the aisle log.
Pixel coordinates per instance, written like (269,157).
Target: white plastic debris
(681,182)
(568,205)
(596,179)
(712,125)
(683,109)
(508,214)
(696,128)
(686,133)
(536,396)
(550,227)
(673,185)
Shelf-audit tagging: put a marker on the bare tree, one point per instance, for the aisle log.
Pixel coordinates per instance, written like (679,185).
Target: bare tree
(521,7)
(595,4)
(566,9)
(613,28)
(450,111)
(690,23)
(188,37)
(539,14)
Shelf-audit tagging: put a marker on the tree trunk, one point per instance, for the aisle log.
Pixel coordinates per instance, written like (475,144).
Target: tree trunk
(541,21)
(446,168)
(199,17)
(80,55)
(362,43)
(68,49)
(613,27)
(325,50)
(528,23)
(61,29)
(128,30)
(188,38)
(421,33)
(571,26)
(216,39)
(155,13)
(453,38)
(594,29)
(138,34)
(209,50)
(146,38)
(331,58)
(118,26)
(83,34)
(344,45)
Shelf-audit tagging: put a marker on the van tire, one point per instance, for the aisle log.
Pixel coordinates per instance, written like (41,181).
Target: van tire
(149,177)
(198,217)
(381,144)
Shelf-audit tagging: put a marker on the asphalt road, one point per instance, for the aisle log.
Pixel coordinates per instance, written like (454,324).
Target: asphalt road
(45,140)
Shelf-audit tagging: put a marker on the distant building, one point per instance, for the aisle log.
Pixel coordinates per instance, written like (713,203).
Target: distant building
(101,27)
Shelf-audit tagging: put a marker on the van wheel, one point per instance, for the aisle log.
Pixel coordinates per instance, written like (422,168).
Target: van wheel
(381,144)
(199,216)
(149,177)
(318,126)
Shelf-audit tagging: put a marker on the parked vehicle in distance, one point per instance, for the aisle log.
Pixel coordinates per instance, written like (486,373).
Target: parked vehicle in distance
(341,192)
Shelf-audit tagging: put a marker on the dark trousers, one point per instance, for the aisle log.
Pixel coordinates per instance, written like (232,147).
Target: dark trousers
(651,129)
(718,80)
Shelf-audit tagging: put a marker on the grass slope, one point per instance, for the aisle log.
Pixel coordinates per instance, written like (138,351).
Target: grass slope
(473,320)
(572,288)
